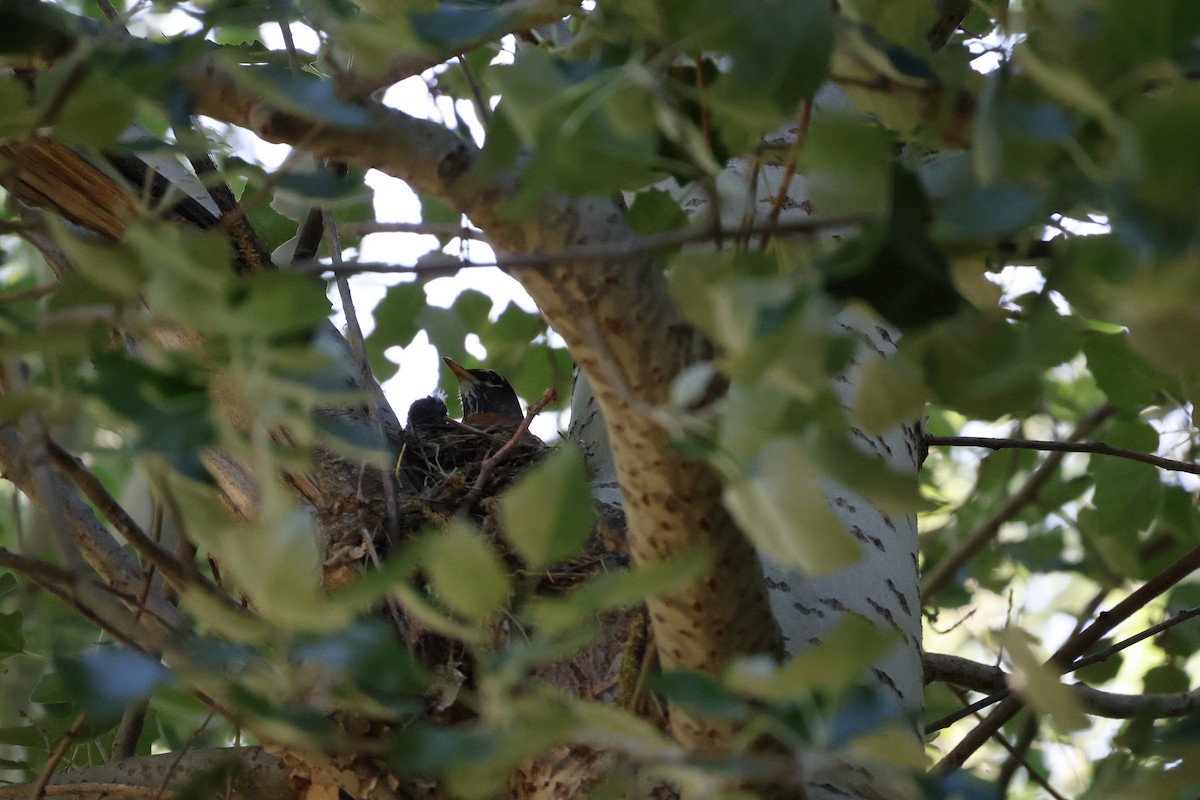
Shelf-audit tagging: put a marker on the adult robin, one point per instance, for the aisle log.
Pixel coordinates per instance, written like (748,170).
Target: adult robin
(488,400)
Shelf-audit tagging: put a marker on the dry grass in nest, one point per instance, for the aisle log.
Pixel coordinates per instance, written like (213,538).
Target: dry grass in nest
(438,473)
(445,467)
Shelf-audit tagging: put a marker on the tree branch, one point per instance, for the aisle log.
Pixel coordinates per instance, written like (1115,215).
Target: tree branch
(525,15)
(1096,448)
(633,247)
(1074,647)
(987,678)
(673,505)
(71,588)
(95,543)
(489,463)
(943,571)
(1015,755)
(163,560)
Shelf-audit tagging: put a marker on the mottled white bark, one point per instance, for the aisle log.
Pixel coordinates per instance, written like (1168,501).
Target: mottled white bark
(883,586)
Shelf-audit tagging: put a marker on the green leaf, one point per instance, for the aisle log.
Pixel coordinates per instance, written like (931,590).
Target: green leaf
(1124,376)
(608,724)
(368,654)
(655,211)
(846,653)
(893,264)
(985,368)
(779,51)
(1102,671)
(473,307)
(396,323)
(453,24)
(614,590)
(986,212)
(112,266)
(891,491)
(1165,679)
(12,638)
(28,736)
(272,558)
(15,114)
(277,303)
(106,680)
(1039,686)
(36,29)
(782,507)
(1131,433)
(1128,495)
(50,691)
(465,571)
(547,515)
(891,391)
(323,187)
(170,410)
(297,93)
(88,106)
(1064,84)
(434,210)
(700,694)
(847,166)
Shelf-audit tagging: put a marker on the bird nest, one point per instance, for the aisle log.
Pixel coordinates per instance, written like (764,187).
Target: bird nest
(446,469)
(460,469)
(442,473)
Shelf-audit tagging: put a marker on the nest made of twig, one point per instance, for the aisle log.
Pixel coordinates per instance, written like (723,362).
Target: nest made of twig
(443,467)
(436,477)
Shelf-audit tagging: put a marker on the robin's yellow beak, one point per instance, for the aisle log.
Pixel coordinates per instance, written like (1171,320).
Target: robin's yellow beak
(459,370)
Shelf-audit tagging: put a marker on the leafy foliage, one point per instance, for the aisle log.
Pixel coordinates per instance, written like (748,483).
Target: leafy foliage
(1020,205)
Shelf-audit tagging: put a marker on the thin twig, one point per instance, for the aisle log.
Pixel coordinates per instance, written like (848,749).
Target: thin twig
(1016,755)
(47,577)
(1153,630)
(944,569)
(36,293)
(491,462)
(39,788)
(1024,740)
(94,490)
(393,611)
(110,12)
(424,228)
(966,711)
(967,674)
(366,380)
(1095,448)
(1074,647)
(485,113)
(781,195)
(188,745)
(66,585)
(603,251)
(38,456)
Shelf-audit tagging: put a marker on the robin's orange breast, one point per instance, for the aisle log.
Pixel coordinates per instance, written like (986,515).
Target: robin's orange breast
(490,419)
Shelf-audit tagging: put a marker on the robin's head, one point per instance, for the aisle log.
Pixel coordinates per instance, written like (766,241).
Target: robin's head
(483,391)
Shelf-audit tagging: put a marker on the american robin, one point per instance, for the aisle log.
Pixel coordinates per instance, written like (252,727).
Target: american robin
(488,400)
